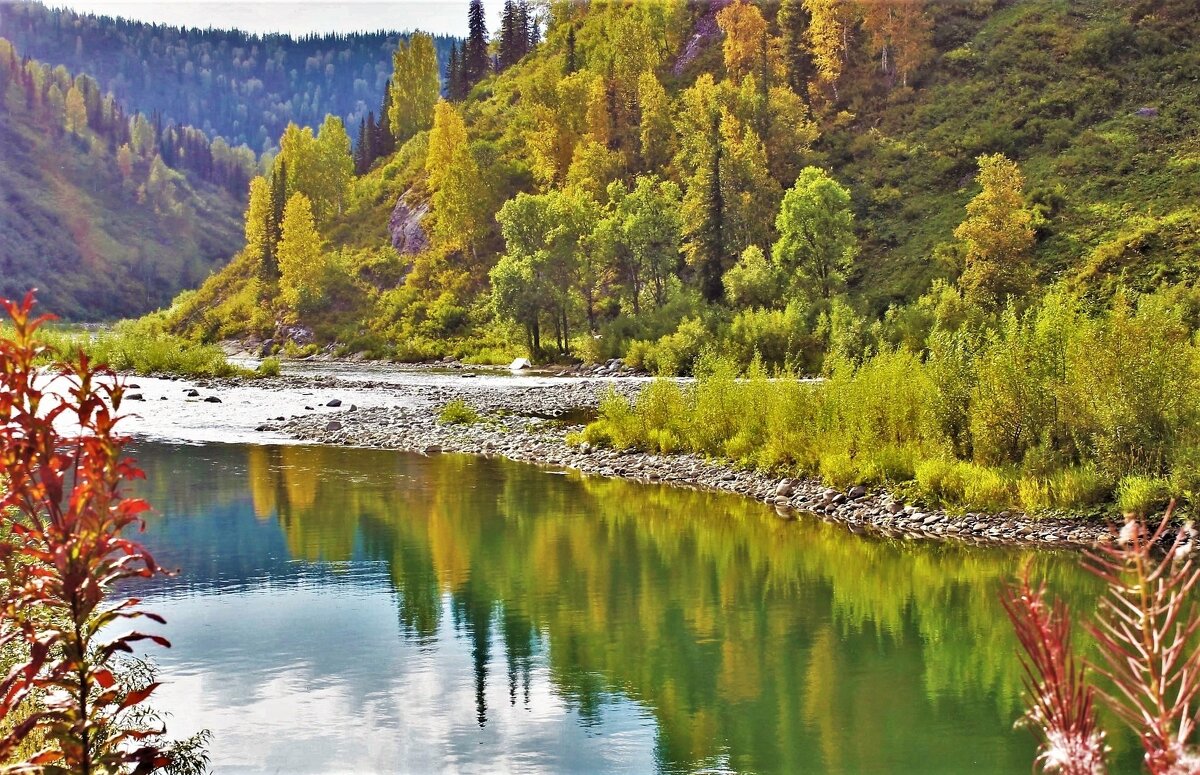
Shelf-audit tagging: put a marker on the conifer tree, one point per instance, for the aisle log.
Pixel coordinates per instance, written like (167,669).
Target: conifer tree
(704,216)
(475,55)
(571,63)
(361,148)
(279,198)
(797,63)
(509,35)
(385,142)
(454,75)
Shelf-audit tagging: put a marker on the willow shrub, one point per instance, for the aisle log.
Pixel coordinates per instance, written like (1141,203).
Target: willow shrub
(1048,409)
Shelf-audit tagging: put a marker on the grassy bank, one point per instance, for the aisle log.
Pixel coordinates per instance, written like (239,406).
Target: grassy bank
(145,348)
(1054,408)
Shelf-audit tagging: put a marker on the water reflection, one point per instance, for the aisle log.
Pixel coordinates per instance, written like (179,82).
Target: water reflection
(358,610)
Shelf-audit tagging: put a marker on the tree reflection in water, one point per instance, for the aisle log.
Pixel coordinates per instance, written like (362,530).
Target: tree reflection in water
(760,644)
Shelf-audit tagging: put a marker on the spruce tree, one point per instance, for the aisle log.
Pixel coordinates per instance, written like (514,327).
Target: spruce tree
(279,197)
(525,29)
(385,143)
(453,74)
(508,35)
(475,58)
(361,147)
(572,61)
(793,21)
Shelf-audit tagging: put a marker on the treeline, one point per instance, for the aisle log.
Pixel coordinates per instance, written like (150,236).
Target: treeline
(242,87)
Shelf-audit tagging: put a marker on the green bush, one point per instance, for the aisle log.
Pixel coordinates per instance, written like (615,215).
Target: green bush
(838,470)
(986,488)
(1079,487)
(458,412)
(268,367)
(939,481)
(1142,495)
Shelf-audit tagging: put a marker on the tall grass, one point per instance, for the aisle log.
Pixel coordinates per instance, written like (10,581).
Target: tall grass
(144,348)
(1052,409)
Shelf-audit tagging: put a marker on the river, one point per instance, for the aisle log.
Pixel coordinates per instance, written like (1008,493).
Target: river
(350,610)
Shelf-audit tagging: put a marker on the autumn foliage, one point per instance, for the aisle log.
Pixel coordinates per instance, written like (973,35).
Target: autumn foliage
(63,549)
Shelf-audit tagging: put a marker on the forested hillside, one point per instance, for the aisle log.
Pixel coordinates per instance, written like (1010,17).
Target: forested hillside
(244,88)
(108,215)
(789,179)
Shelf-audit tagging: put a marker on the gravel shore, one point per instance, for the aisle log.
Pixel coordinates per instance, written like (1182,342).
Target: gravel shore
(519,423)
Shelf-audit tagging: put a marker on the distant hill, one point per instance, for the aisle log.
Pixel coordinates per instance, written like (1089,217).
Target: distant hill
(106,215)
(244,88)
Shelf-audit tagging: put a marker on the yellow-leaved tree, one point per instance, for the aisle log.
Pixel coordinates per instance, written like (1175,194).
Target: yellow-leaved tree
(997,236)
(745,38)
(828,38)
(301,257)
(459,201)
(415,87)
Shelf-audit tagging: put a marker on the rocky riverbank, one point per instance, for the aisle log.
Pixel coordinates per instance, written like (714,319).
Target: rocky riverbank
(519,424)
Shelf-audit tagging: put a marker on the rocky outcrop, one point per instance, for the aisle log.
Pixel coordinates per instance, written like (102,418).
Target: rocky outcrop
(706,30)
(408,235)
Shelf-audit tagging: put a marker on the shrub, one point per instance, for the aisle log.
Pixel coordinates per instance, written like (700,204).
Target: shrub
(1035,493)
(1079,487)
(1142,495)
(68,553)
(458,412)
(889,464)
(268,367)
(838,470)
(939,480)
(662,414)
(985,487)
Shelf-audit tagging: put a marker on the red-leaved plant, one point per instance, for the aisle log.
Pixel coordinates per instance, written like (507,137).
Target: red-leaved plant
(1144,629)
(62,520)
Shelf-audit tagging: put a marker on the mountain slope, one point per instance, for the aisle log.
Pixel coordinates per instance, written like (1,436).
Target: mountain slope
(96,242)
(1096,102)
(242,87)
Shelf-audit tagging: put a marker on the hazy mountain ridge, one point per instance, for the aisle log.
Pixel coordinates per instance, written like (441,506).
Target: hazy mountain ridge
(242,87)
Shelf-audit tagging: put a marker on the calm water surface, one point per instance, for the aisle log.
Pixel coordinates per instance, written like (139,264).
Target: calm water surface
(348,610)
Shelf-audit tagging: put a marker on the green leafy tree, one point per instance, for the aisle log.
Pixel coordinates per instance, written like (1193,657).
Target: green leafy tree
(752,281)
(816,245)
(997,235)
(640,237)
(544,238)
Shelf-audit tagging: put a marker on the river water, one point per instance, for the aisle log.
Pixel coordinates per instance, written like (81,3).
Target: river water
(343,610)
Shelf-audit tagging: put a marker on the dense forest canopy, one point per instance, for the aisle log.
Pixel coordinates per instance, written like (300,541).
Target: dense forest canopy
(242,87)
(636,179)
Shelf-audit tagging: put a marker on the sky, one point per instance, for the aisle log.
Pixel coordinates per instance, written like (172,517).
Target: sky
(296,17)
